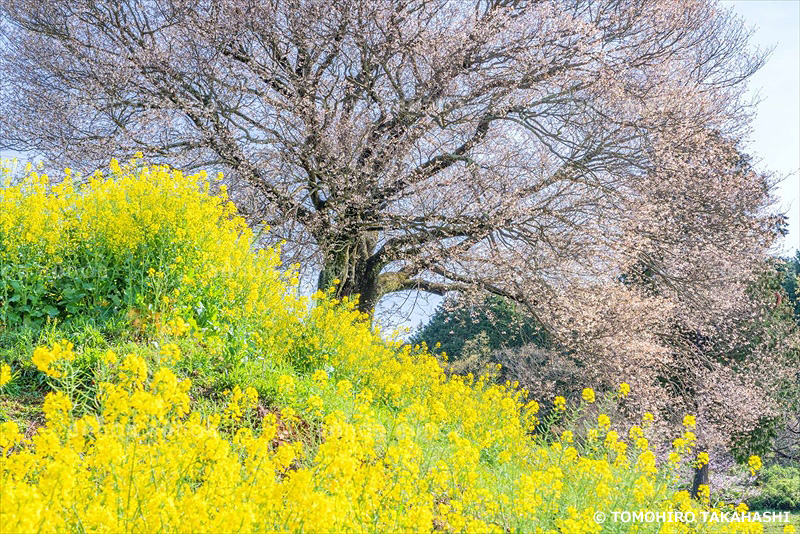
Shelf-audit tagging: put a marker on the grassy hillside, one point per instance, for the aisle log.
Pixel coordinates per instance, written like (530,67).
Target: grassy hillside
(159,375)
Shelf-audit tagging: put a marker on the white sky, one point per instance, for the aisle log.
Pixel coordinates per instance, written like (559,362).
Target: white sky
(776,130)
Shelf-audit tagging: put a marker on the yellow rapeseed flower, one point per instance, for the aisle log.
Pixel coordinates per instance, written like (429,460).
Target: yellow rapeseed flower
(108,357)
(5,374)
(286,384)
(9,435)
(320,377)
(755,464)
(701,460)
(603,421)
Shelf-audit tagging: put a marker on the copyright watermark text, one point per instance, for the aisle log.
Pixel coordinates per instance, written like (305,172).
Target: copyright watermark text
(649,516)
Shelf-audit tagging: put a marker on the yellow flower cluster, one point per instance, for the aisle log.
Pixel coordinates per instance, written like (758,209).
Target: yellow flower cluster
(5,374)
(755,464)
(146,462)
(133,371)
(48,360)
(239,402)
(365,434)
(109,357)
(135,220)
(689,421)
(701,460)
(9,436)
(177,327)
(171,353)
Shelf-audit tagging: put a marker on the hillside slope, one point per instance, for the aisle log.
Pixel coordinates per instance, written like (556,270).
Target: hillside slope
(187,386)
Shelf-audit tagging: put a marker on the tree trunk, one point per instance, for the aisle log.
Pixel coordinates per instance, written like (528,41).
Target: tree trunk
(700,478)
(352,263)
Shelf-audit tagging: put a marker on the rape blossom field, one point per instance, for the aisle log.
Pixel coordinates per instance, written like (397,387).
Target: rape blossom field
(188,386)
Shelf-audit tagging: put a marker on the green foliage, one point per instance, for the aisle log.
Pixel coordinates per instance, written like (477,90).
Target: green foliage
(775,332)
(502,324)
(779,489)
(97,285)
(791,283)
(760,440)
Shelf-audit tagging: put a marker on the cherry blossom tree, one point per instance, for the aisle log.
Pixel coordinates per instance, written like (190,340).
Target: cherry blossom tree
(538,150)
(410,144)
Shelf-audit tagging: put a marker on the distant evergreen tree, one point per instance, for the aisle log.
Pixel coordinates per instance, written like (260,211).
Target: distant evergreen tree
(791,283)
(497,321)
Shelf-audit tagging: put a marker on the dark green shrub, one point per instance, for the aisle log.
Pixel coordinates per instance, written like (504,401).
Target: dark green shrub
(780,489)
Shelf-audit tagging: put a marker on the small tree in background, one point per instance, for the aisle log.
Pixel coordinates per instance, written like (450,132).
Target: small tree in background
(791,283)
(502,323)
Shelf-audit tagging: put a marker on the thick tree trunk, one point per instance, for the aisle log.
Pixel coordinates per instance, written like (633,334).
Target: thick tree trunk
(352,263)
